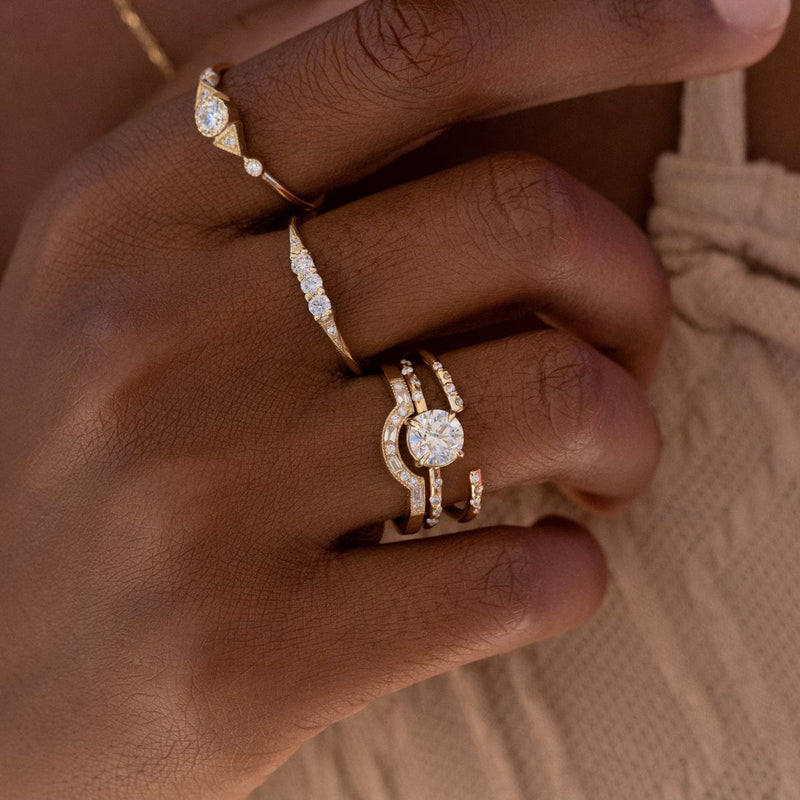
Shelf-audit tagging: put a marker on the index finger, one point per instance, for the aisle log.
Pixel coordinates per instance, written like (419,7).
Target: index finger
(339,101)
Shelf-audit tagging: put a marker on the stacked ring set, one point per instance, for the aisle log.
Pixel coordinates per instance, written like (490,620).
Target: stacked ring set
(433,437)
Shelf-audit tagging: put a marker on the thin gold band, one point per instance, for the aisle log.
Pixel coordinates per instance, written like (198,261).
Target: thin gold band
(148,43)
(319,303)
(218,119)
(473,505)
(434,475)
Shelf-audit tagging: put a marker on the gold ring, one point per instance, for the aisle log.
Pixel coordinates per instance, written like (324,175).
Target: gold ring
(476,488)
(319,304)
(216,118)
(390,449)
(434,439)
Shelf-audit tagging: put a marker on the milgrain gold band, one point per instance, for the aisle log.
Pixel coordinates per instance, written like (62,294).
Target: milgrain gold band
(319,303)
(390,449)
(148,43)
(217,118)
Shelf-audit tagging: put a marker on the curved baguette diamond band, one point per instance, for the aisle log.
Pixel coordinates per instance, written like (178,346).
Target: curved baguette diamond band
(434,439)
(390,447)
(217,119)
(319,303)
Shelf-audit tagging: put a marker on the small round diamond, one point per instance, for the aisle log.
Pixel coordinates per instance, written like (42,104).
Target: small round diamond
(402,410)
(319,306)
(407,370)
(475,503)
(396,420)
(475,478)
(332,331)
(210,77)
(437,365)
(435,438)
(252,166)
(417,397)
(211,117)
(451,389)
(391,449)
(311,283)
(302,263)
(404,476)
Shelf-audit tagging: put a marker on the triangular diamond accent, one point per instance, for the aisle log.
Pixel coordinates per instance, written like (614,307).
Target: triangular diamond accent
(295,244)
(230,139)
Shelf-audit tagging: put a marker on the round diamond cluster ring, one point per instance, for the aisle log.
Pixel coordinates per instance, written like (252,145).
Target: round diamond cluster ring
(434,439)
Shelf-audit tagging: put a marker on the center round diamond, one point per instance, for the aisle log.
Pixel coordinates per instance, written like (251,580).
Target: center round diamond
(211,117)
(435,438)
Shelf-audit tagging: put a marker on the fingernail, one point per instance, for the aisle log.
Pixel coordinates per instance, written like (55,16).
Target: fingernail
(754,16)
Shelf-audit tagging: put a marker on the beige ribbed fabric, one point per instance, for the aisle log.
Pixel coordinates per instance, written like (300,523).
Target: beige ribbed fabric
(687,684)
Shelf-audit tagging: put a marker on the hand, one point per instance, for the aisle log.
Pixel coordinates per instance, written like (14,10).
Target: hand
(183,455)
(74,72)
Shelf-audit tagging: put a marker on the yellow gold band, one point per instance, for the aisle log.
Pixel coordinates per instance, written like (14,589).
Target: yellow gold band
(319,303)
(217,119)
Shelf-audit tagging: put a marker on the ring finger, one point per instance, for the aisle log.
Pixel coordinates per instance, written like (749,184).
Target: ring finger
(539,407)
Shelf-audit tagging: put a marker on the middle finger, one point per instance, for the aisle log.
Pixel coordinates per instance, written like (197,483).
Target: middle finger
(508,232)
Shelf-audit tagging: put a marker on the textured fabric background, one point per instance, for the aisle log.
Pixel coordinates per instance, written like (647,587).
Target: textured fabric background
(686,685)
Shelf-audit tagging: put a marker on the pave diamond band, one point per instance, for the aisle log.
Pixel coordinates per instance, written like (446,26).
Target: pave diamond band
(319,304)
(434,439)
(216,118)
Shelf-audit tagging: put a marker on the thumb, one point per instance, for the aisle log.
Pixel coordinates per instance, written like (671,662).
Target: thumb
(406,612)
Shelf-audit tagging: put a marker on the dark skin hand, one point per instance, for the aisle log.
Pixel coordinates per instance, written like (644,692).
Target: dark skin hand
(183,456)
(609,140)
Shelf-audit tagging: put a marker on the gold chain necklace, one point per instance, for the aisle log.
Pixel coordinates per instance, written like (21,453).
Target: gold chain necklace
(146,39)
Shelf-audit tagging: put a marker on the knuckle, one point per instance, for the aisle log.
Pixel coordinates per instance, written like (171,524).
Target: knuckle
(558,408)
(530,209)
(417,44)
(76,207)
(639,18)
(503,590)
